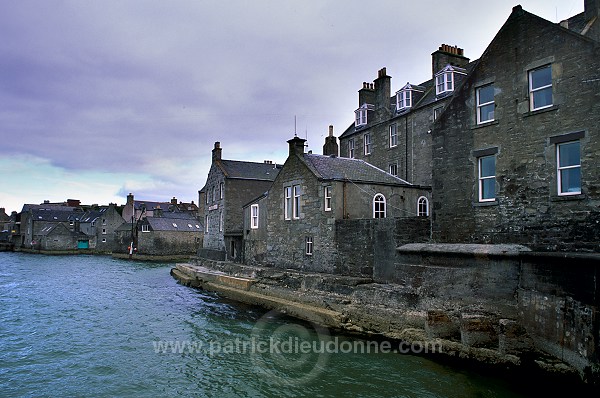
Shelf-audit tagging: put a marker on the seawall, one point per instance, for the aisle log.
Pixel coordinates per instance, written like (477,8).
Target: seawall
(501,306)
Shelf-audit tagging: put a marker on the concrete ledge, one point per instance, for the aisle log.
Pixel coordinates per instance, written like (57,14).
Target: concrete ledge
(462,249)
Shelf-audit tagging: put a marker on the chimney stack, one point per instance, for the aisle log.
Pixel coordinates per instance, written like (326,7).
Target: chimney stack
(216,152)
(447,55)
(173,200)
(331,146)
(296,146)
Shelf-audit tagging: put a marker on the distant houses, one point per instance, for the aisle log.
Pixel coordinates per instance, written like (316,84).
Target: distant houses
(155,228)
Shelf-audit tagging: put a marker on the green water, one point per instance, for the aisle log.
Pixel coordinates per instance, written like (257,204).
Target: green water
(92,326)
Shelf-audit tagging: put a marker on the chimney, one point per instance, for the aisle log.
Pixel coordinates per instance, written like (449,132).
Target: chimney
(173,200)
(130,198)
(73,202)
(366,95)
(216,152)
(447,55)
(158,212)
(331,146)
(296,146)
(382,90)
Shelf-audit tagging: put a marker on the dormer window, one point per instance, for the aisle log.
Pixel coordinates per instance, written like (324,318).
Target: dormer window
(405,96)
(361,114)
(445,79)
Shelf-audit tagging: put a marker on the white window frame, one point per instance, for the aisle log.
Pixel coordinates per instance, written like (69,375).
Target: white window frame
(444,83)
(379,199)
(422,207)
(221,190)
(483,178)
(206,223)
(351,148)
(308,245)
(560,169)
(361,115)
(327,198)
(103,240)
(254,216)
(436,112)
(393,135)
(481,105)
(221,222)
(145,228)
(287,203)
(367,143)
(393,167)
(103,231)
(532,90)
(403,99)
(297,192)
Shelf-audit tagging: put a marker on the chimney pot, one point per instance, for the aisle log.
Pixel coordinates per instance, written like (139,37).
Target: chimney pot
(331,130)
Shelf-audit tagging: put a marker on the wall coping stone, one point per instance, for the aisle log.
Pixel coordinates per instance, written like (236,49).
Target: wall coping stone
(463,249)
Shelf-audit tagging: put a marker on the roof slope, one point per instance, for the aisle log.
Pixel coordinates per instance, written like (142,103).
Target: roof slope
(249,170)
(346,169)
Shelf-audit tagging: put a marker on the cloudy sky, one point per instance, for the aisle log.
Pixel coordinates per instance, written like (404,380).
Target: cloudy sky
(99,98)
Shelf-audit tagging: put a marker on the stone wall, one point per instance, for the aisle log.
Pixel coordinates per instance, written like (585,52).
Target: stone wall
(527,209)
(168,242)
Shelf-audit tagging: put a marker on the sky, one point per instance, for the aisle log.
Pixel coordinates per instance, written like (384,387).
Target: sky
(101,98)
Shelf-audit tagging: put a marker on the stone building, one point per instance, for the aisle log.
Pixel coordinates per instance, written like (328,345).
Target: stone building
(393,132)
(516,152)
(33,219)
(229,186)
(169,233)
(297,223)
(101,223)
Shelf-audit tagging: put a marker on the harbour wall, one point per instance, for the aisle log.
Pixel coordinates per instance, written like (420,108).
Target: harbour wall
(494,304)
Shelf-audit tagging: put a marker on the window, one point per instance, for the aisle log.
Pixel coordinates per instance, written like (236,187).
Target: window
(254,216)
(422,207)
(445,79)
(361,114)
(379,210)
(487,178)
(103,231)
(436,112)
(485,104)
(327,198)
(367,143)
(444,82)
(103,240)
(568,155)
(104,221)
(206,223)
(403,99)
(221,189)
(93,223)
(214,194)
(393,136)
(309,245)
(221,222)
(287,204)
(351,148)
(145,228)
(296,209)
(540,88)
(394,169)
(206,195)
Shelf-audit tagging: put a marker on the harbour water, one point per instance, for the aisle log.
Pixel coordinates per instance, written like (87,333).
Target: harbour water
(94,326)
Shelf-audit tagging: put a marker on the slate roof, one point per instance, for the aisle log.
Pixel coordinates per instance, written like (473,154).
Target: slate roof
(346,169)
(92,215)
(149,205)
(52,215)
(249,170)
(429,97)
(174,224)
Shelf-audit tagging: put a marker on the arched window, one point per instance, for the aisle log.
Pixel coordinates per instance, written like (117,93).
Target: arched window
(422,207)
(379,210)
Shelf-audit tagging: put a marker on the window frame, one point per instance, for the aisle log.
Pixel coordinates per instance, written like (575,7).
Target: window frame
(287,202)
(393,135)
(145,228)
(533,91)
(393,169)
(327,198)
(378,212)
(221,190)
(297,193)
(422,200)
(403,99)
(480,105)
(560,169)
(360,118)
(481,179)
(351,148)
(446,82)
(308,245)
(254,216)
(367,144)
